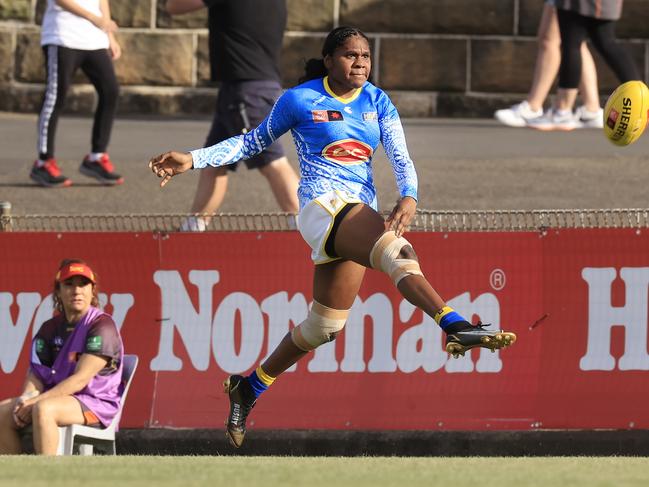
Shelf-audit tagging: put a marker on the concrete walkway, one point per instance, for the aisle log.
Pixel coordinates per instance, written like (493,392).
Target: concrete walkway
(462,165)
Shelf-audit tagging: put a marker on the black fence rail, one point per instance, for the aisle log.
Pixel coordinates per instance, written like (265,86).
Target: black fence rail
(425,221)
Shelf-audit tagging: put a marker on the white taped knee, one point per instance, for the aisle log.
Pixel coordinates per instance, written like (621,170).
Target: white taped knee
(385,257)
(321,326)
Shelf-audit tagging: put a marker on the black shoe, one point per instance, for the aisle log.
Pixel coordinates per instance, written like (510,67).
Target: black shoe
(242,400)
(49,175)
(464,336)
(102,170)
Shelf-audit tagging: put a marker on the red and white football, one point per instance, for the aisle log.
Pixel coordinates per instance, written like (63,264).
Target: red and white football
(625,113)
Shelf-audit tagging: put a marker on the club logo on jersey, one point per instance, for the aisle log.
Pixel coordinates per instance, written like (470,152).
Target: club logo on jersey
(347,151)
(94,344)
(612,118)
(370,116)
(327,116)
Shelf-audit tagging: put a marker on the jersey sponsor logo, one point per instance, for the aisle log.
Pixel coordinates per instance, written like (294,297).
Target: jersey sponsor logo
(93,344)
(327,116)
(347,151)
(370,116)
(348,110)
(40,345)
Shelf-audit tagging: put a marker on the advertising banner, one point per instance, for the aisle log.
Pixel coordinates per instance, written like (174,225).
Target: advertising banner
(198,307)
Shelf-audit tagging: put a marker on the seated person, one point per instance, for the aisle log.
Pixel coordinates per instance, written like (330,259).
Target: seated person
(75,370)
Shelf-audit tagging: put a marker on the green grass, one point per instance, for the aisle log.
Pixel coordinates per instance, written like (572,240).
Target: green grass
(123,471)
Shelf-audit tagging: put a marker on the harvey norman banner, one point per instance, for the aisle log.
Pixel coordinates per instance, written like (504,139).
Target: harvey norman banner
(197,307)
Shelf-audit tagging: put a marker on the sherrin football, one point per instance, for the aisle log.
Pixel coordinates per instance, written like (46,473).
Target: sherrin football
(625,113)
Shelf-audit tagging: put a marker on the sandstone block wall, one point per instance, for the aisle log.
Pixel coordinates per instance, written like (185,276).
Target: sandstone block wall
(434,57)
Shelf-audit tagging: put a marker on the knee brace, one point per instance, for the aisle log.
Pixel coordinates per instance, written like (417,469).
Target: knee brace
(321,326)
(384,256)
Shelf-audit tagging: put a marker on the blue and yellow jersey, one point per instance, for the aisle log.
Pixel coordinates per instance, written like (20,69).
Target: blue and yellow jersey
(335,139)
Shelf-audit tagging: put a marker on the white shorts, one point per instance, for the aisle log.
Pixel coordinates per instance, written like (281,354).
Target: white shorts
(316,221)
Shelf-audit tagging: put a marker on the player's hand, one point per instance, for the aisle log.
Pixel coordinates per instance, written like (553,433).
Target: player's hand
(106,24)
(401,215)
(169,164)
(113,47)
(22,411)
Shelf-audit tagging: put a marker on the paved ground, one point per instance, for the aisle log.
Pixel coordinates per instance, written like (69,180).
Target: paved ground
(462,164)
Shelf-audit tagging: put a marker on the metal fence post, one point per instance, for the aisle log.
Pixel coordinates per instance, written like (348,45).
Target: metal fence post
(5,216)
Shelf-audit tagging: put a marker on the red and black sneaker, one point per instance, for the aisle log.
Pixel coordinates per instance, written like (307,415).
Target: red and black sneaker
(49,175)
(102,170)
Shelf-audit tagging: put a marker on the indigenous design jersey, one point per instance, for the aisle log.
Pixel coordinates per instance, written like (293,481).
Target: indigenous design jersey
(335,139)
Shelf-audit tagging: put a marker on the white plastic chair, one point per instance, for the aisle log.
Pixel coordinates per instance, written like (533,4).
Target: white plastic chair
(103,438)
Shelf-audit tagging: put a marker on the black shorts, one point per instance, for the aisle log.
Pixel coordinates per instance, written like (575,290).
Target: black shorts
(243,106)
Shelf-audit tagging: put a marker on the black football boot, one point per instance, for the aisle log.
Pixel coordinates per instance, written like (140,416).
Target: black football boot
(242,400)
(463,336)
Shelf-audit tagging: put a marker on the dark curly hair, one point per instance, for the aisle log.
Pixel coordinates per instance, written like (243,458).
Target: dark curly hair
(315,68)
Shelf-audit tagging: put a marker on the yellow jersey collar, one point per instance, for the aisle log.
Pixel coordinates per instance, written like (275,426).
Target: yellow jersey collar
(325,82)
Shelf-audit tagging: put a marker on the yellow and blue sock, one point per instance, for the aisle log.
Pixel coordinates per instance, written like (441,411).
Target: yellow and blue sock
(446,317)
(260,381)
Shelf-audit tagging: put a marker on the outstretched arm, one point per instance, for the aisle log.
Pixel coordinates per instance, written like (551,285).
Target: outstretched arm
(229,151)
(170,164)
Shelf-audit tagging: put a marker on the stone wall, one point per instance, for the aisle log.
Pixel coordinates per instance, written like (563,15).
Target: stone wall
(434,57)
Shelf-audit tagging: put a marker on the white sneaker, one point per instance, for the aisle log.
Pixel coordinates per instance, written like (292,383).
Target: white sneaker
(590,120)
(193,224)
(556,120)
(517,115)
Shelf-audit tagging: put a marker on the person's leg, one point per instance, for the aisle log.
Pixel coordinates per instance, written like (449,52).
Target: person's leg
(9,439)
(588,89)
(602,34)
(212,181)
(211,189)
(61,63)
(283,182)
(335,285)
(98,67)
(362,237)
(48,415)
(356,238)
(573,33)
(546,66)
(548,58)
(354,235)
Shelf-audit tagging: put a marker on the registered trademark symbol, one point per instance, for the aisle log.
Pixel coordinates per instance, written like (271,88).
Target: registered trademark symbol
(497,279)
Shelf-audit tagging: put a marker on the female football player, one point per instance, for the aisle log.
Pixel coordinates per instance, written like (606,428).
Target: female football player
(337,119)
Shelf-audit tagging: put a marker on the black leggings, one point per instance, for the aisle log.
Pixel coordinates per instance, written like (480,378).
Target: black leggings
(62,63)
(575,29)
